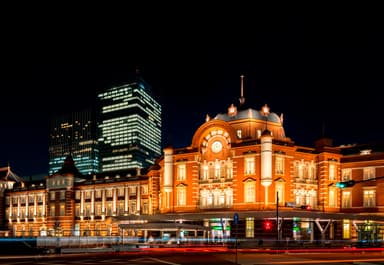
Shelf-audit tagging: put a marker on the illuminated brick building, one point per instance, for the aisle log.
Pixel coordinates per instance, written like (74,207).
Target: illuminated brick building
(240,164)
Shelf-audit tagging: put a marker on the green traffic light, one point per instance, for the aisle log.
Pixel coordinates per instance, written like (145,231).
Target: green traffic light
(343,184)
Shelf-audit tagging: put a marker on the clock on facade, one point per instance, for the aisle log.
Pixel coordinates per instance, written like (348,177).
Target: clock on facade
(216,146)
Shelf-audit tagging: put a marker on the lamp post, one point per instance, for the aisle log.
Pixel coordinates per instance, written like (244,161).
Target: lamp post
(277,220)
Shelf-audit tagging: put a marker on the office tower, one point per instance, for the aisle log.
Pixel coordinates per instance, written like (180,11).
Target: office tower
(74,134)
(129,126)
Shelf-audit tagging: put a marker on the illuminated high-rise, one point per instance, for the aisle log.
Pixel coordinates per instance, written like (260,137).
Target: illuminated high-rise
(74,134)
(129,126)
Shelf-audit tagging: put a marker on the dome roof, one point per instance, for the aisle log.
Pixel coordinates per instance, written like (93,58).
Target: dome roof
(248,113)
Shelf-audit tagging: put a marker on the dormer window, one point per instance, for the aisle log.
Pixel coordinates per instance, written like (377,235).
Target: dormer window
(232,110)
(238,132)
(365,152)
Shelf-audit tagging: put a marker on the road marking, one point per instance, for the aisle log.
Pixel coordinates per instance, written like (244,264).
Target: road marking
(164,261)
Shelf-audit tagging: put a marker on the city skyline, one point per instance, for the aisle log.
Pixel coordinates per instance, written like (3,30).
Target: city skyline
(321,80)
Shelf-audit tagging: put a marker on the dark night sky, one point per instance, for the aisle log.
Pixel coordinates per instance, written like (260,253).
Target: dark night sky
(325,73)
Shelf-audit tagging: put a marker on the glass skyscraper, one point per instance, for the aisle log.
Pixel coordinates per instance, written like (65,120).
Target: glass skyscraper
(74,134)
(129,126)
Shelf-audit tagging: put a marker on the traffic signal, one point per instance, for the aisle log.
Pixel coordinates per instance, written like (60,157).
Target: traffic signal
(345,184)
(267,225)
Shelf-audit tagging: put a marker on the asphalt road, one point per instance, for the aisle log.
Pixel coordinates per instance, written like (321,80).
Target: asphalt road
(198,258)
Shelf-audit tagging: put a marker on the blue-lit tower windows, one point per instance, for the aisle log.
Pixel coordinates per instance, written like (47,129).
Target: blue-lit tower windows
(129,127)
(74,134)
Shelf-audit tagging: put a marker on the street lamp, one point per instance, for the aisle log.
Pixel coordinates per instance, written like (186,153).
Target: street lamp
(277,220)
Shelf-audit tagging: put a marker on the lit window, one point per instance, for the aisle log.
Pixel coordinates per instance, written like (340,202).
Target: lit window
(346,199)
(249,191)
(279,167)
(205,171)
(332,172)
(62,209)
(249,227)
(181,195)
(249,165)
(369,173)
(332,198)
(238,132)
(369,199)
(217,169)
(229,172)
(346,174)
(346,229)
(181,172)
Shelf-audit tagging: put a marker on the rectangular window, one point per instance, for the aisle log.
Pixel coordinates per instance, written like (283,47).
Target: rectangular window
(369,199)
(132,207)
(205,171)
(87,208)
(31,212)
(217,169)
(369,173)
(346,199)
(144,189)
(109,209)
(132,190)
(62,209)
(181,196)
(97,209)
(229,172)
(332,172)
(77,210)
(22,212)
(121,208)
(40,211)
(279,166)
(145,209)
(249,165)
(346,229)
(181,172)
(249,227)
(249,189)
(52,210)
(332,203)
(346,174)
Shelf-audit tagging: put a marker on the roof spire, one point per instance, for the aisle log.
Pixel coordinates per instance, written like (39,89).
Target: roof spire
(242,99)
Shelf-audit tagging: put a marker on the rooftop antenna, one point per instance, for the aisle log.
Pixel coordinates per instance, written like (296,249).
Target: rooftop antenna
(242,99)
